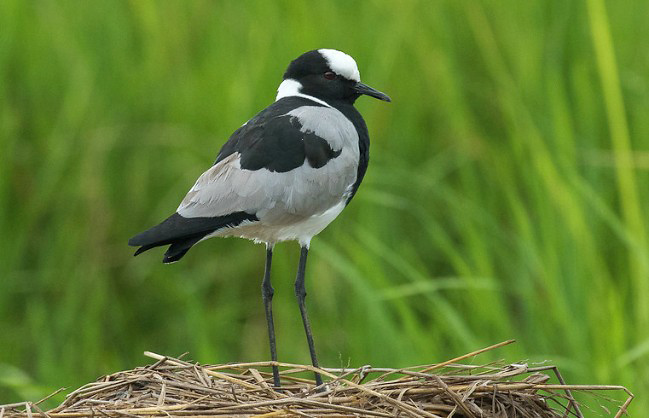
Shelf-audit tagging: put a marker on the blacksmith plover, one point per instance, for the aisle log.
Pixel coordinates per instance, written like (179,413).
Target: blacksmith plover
(284,175)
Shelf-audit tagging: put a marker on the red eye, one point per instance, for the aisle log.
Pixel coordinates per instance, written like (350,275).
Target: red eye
(329,75)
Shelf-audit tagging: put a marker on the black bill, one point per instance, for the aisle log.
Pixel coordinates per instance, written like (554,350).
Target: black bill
(365,89)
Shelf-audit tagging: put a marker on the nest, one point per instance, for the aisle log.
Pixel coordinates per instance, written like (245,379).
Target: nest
(175,387)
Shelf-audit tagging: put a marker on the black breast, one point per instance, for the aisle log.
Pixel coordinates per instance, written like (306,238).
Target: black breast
(355,117)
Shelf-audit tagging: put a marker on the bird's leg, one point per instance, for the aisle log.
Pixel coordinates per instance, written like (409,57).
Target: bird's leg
(300,292)
(267,292)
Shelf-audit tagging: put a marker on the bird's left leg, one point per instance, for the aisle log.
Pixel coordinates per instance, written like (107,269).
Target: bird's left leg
(267,293)
(300,292)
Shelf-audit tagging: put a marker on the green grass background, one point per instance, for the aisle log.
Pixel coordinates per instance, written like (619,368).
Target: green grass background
(506,195)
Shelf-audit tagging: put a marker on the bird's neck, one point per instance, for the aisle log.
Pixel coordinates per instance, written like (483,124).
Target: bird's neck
(293,88)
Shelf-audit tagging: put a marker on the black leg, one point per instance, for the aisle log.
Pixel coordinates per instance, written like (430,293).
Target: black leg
(300,292)
(267,292)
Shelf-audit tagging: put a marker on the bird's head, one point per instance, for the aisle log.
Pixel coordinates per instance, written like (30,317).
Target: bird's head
(326,74)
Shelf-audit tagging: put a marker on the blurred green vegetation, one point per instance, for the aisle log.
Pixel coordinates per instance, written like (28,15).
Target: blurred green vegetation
(506,196)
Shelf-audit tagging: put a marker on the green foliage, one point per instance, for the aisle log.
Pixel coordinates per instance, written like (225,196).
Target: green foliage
(505,198)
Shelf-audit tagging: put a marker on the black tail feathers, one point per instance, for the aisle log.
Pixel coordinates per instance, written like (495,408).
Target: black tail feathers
(182,233)
(178,249)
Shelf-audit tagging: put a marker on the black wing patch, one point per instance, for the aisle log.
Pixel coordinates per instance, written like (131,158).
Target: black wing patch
(274,141)
(275,145)
(317,151)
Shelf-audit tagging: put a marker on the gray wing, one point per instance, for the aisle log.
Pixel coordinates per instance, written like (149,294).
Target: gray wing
(234,185)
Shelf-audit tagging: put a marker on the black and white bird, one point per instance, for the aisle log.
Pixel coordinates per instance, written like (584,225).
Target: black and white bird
(284,175)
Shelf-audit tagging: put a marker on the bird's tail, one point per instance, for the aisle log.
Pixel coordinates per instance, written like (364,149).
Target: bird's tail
(182,233)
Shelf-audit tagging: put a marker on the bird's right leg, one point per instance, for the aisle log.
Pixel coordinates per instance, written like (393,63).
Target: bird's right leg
(300,292)
(267,292)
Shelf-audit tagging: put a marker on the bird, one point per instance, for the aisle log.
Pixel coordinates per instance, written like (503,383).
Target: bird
(284,175)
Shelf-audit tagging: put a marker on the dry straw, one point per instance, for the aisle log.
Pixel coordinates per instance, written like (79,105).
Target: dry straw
(174,387)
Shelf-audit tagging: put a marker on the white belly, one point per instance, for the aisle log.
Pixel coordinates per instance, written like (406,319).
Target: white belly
(300,230)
